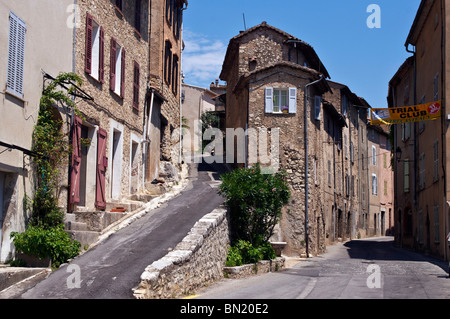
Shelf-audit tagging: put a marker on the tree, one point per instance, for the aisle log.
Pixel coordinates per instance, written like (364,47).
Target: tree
(255,201)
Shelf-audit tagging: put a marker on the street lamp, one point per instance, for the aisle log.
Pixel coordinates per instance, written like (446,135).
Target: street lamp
(398,154)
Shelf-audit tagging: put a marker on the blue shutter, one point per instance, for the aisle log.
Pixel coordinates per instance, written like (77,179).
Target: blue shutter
(16,55)
(292,100)
(269,100)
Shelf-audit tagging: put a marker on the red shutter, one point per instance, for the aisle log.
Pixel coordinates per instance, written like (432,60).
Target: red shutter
(113,65)
(88,51)
(122,82)
(102,56)
(136,86)
(102,164)
(74,196)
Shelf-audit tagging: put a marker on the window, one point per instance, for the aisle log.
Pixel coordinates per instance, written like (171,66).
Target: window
(16,55)
(117,84)
(422,171)
(280,100)
(374,155)
(385,187)
(436,161)
(95,44)
(175,75)
(168,62)
(374,184)
(406,176)
(137,16)
(436,223)
(344,105)
(136,86)
(317,107)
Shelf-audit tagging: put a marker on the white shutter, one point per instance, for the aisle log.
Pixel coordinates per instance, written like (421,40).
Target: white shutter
(16,55)
(269,100)
(317,107)
(292,100)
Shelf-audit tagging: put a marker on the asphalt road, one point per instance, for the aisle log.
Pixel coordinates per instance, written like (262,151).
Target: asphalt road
(359,269)
(113,268)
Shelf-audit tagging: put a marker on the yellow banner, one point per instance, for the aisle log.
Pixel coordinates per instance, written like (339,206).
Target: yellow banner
(406,114)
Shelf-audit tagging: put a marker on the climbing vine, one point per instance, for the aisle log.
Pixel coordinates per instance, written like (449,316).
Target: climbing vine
(53,150)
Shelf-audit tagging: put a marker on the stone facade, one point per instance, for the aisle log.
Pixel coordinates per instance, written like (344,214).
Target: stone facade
(113,108)
(269,75)
(134,111)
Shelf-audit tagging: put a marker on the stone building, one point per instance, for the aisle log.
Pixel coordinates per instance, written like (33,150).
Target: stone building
(30,50)
(195,102)
(163,120)
(112,58)
(422,216)
(302,123)
(136,98)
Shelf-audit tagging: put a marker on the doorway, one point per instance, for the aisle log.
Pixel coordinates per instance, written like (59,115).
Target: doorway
(116,164)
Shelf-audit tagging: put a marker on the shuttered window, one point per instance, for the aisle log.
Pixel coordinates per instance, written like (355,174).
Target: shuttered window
(95,47)
(16,55)
(281,100)
(117,69)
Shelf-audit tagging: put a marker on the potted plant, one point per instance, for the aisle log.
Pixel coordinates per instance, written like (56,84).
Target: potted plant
(285,109)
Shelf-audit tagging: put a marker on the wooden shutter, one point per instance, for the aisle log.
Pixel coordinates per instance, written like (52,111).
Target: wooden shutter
(269,100)
(101,63)
(89,39)
(136,86)
(102,164)
(292,100)
(112,74)
(16,55)
(76,161)
(122,77)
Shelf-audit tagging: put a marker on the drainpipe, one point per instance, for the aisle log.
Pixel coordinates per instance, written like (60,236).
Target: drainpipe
(306,164)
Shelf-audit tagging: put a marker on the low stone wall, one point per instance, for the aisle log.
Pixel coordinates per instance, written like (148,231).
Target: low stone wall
(194,263)
(263,266)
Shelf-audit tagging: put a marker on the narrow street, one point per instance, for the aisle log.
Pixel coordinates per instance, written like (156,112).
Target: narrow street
(113,268)
(345,272)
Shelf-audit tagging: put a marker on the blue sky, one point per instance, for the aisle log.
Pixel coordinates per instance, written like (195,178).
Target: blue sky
(364,59)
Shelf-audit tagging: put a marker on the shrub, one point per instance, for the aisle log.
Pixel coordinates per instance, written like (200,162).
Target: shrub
(243,252)
(53,243)
(255,201)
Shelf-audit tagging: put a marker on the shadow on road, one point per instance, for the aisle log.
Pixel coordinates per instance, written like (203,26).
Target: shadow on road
(384,249)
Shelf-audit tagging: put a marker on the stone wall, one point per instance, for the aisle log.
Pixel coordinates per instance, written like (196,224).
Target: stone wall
(194,263)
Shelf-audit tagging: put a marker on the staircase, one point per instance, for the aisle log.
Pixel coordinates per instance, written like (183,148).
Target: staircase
(86,227)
